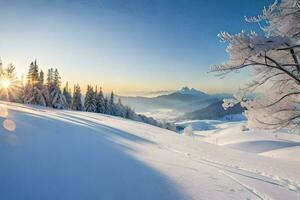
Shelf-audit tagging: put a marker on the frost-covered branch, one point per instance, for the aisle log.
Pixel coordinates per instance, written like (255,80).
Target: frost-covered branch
(274,61)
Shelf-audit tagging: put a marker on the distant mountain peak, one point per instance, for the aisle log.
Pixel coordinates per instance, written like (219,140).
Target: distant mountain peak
(190,91)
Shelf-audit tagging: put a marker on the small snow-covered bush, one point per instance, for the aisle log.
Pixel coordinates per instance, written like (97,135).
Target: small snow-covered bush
(188,131)
(244,128)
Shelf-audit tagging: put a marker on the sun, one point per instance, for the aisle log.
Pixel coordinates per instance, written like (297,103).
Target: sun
(5,83)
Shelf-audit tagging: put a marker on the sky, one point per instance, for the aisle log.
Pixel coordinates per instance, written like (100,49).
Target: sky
(129,46)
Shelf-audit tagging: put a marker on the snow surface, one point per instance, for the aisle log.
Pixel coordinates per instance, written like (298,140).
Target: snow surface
(59,154)
(234,134)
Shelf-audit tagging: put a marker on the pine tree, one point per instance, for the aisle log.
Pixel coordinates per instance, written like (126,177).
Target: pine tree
(41,77)
(49,77)
(56,98)
(90,100)
(34,91)
(95,94)
(129,113)
(111,105)
(33,73)
(106,106)
(100,102)
(77,103)
(120,109)
(68,96)
(56,78)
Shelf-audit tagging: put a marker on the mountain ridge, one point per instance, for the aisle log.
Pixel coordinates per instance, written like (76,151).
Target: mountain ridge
(190,91)
(183,100)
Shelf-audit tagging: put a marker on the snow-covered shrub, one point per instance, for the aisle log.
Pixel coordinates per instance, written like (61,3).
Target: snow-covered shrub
(244,128)
(188,130)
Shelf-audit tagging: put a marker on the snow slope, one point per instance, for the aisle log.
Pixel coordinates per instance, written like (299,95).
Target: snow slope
(280,145)
(55,154)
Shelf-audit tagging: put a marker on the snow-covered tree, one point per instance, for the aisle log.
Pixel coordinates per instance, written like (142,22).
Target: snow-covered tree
(274,60)
(50,77)
(100,102)
(120,109)
(56,78)
(56,98)
(33,73)
(111,105)
(130,114)
(34,92)
(68,96)
(77,102)
(41,77)
(90,100)
(106,106)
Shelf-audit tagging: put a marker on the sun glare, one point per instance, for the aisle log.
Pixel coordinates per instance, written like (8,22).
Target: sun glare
(5,83)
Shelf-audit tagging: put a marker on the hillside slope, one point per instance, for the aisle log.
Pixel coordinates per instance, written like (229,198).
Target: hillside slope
(214,111)
(55,154)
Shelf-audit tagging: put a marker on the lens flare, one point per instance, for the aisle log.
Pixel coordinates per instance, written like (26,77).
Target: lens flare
(3,112)
(9,125)
(5,83)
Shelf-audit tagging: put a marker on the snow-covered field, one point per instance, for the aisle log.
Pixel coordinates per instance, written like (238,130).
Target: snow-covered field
(235,135)
(55,154)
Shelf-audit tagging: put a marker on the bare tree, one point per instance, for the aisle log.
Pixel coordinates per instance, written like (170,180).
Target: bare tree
(274,60)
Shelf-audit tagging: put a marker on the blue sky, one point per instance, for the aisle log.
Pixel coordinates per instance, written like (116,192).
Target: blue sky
(128,46)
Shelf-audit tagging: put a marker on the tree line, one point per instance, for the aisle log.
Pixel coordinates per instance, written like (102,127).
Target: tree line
(42,90)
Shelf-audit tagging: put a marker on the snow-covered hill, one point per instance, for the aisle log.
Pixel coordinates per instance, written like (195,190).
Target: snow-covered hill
(55,154)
